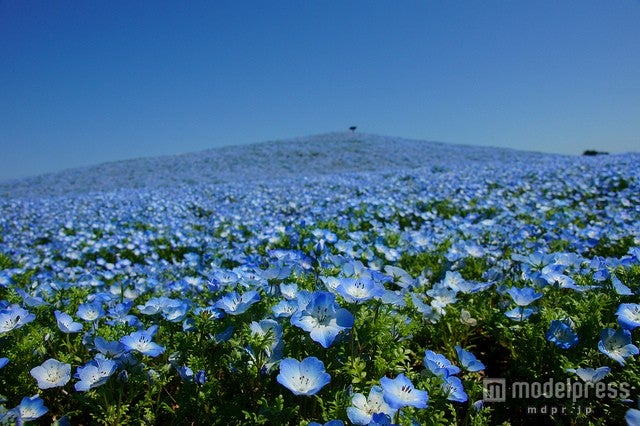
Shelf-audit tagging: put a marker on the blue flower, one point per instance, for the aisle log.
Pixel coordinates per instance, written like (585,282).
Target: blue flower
(119,314)
(589,375)
(442,296)
(185,373)
(304,377)
(454,389)
(523,296)
(561,333)
(272,331)
(200,378)
(362,408)
(111,349)
(629,315)
(439,365)
(29,409)
(52,373)
(95,373)
(90,311)
(616,344)
(358,290)
(400,392)
(619,287)
(329,423)
(632,417)
(66,324)
(520,313)
(323,318)
(468,360)
(141,341)
(3,362)
(235,304)
(285,308)
(13,317)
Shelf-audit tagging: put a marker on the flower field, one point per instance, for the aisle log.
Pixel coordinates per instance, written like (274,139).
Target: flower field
(381,297)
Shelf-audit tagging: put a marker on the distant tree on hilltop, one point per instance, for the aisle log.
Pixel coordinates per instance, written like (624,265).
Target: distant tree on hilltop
(592,152)
(352,128)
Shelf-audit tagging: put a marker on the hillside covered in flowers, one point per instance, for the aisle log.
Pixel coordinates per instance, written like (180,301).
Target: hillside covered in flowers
(341,279)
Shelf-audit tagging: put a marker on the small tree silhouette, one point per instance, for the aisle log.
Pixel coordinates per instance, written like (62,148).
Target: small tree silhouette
(353,129)
(594,152)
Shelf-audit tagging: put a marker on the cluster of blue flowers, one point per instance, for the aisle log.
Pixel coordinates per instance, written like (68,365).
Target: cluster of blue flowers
(357,289)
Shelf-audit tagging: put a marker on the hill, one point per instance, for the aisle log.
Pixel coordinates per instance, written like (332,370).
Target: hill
(309,156)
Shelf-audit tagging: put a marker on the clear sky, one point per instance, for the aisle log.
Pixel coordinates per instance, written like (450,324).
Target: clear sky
(83,82)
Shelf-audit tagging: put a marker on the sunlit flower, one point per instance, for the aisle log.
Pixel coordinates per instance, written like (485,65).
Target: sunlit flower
(468,360)
(304,377)
(95,373)
(323,318)
(52,373)
(66,324)
(362,408)
(13,317)
(142,341)
(616,344)
(399,392)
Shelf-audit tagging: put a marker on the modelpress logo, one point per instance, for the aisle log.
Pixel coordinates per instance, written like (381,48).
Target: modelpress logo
(496,390)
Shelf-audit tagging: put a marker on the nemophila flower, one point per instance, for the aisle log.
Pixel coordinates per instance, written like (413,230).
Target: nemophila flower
(29,409)
(329,423)
(442,296)
(272,331)
(561,333)
(616,344)
(590,375)
(323,318)
(66,324)
(619,287)
(629,315)
(468,360)
(399,276)
(110,349)
(153,306)
(523,296)
(235,304)
(285,308)
(439,365)
(427,311)
(175,310)
(304,377)
(400,392)
(632,417)
(520,313)
(200,378)
(362,408)
(3,362)
(467,319)
(52,373)
(29,300)
(208,312)
(288,291)
(185,373)
(13,317)
(454,389)
(94,373)
(358,290)
(90,311)
(224,335)
(142,341)
(119,314)
(331,283)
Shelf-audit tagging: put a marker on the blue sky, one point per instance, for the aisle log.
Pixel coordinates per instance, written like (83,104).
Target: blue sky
(83,82)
